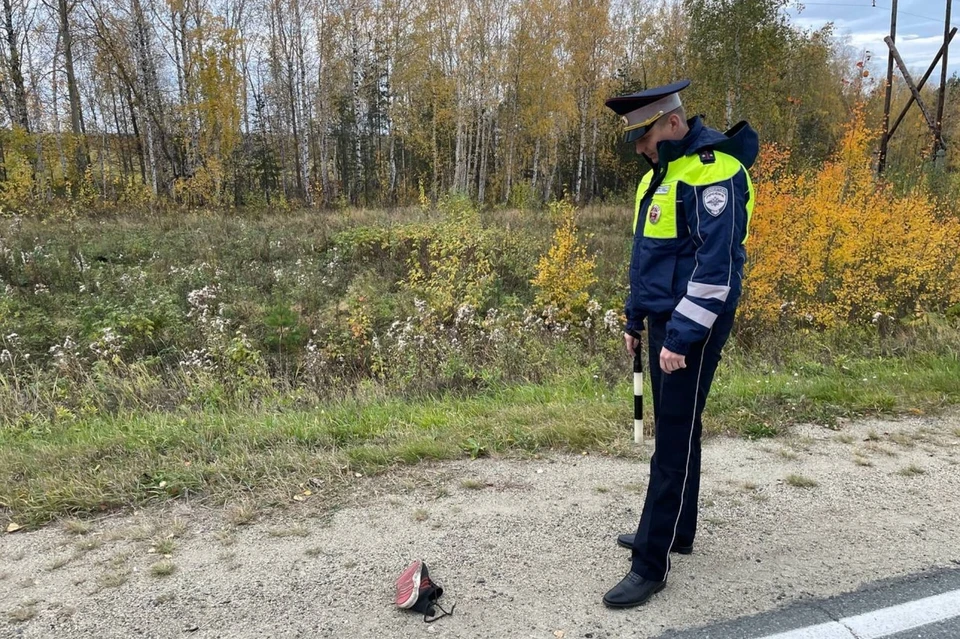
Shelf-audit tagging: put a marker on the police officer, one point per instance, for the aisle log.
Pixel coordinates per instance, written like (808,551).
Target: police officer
(690,223)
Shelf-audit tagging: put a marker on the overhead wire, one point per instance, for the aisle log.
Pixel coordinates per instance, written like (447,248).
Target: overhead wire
(871,6)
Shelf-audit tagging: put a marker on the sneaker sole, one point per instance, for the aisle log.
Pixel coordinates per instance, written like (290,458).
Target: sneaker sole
(409,577)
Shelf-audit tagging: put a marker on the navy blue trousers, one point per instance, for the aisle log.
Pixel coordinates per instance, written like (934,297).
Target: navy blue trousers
(669,514)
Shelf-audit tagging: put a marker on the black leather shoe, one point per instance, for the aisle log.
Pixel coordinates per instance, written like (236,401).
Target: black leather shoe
(633,590)
(626,541)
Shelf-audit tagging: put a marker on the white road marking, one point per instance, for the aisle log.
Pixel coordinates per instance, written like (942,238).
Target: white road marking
(883,622)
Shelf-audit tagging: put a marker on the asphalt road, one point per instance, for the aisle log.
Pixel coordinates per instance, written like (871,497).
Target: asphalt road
(921,606)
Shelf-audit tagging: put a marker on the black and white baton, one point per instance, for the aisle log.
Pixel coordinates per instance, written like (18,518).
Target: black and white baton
(637,390)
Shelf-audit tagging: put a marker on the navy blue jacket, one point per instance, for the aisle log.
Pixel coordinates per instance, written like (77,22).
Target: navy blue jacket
(688,254)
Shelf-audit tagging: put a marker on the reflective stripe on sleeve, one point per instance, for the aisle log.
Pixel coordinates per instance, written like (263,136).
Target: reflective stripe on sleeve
(708,291)
(698,314)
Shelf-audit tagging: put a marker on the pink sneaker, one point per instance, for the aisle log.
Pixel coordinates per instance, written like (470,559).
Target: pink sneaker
(408,585)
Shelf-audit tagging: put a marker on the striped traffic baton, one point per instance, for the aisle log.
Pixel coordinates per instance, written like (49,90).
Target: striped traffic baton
(637,390)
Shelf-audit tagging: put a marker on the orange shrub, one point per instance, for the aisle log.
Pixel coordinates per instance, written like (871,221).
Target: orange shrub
(838,246)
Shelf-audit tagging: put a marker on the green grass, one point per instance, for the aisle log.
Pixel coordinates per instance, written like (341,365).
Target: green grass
(102,463)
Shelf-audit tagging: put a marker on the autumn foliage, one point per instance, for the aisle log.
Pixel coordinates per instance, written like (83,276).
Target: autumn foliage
(566,273)
(839,245)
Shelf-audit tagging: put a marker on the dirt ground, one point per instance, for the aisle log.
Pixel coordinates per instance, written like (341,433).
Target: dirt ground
(524,548)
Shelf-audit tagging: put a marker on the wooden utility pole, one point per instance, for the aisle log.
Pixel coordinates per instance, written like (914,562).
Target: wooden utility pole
(923,80)
(885,140)
(934,120)
(938,146)
(910,83)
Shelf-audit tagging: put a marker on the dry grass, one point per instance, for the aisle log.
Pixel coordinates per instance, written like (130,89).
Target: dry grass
(472,484)
(76,527)
(59,563)
(176,529)
(163,569)
(22,613)
(635,489)
(164,546)
(861,461)
(420,514)
(903,439)
(911,470)
(799,481)
(240,514)
(132,533)
(293,531)
(879,448)
(119,560)
(166,597)
(786,453)
(845,438)
(602,490)
(88,544)
(226,538)
(113,578)
(314,552)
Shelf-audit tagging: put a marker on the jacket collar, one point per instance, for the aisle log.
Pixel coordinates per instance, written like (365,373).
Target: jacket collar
(670,150)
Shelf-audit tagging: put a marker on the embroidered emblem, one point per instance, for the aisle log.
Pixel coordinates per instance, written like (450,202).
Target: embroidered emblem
(663,190)
(654,213)
(715,199)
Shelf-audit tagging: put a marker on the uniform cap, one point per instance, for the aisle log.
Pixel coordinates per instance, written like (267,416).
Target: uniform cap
(640,110)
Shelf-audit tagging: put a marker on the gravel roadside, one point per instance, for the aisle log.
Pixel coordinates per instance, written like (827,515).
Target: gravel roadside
(524,548)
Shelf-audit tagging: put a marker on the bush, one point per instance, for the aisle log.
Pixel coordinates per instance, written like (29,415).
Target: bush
(840,246)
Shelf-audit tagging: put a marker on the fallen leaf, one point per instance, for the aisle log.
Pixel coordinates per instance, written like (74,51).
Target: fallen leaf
(298,498)
(308,492)
(13,527)
(558,634)
(358,474)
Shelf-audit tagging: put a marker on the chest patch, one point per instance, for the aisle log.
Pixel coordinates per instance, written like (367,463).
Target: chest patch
(663,190)
(655,213)
(715,199)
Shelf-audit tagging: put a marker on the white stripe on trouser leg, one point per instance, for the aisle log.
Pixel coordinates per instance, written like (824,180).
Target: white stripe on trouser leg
(686,473)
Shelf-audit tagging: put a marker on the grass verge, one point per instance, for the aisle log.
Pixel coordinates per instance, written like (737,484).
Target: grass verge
(96,464)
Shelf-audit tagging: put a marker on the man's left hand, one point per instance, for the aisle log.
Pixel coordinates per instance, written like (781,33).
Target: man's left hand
(670,361)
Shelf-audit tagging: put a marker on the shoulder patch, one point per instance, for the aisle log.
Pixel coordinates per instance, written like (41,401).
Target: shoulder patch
(707,157)
(715,199)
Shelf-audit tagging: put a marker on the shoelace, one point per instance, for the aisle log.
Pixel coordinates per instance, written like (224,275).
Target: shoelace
(446,613)
(424,584)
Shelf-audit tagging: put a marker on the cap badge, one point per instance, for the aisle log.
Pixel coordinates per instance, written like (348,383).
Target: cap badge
(715,199)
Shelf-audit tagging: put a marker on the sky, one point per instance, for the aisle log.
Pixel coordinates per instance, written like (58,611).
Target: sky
(919,30)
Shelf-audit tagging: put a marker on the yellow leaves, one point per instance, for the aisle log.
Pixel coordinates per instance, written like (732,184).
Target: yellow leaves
(457,267)
(565,274)
(839,245)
